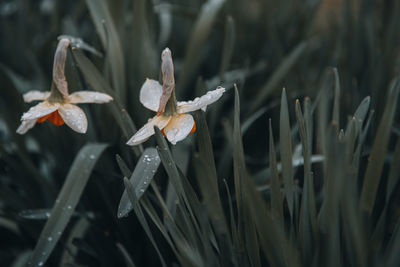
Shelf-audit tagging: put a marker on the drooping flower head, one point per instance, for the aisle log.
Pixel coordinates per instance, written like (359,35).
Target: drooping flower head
(57,105)
(171,118)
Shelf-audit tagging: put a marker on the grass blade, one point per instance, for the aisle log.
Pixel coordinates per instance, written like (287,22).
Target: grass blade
(139,213)
(286,154)
(140,179)
(374,169)
(109,37)
(276,196)
(66,202)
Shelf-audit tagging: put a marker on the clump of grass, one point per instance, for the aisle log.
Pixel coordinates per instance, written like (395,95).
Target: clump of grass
(267,180)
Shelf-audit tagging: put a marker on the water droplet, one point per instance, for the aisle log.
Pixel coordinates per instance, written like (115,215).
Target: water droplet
(48,214)
(92,156)
(69,207)
(59,233)
(142,190)
(49,239)
(40,263)
(145,182)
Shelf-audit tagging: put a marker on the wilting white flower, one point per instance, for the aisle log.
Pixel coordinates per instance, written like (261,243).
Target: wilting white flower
(174,126)
(61,111)
(57,105)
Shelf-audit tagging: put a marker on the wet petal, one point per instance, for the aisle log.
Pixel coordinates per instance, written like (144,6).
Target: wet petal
(201,102)
(150,94)
(40,110)
(25,126)
(89,97)
(179,127)
(148,130)
(74,117)
(35,95)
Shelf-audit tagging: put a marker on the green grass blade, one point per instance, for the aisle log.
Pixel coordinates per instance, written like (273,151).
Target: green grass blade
(246,226)
(111,43)
(307,224)
(98,83)
(286,154)
(128,261)
(139,213)
(66,202)
(126,172)
(140,179)
(374,169)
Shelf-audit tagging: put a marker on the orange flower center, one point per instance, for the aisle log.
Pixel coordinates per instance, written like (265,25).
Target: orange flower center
(191,131)
(53,117)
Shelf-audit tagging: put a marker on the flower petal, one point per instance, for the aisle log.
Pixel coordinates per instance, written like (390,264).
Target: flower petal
(25,126)
(89,97)
(40,110)
(35,95)
(150,94)
(74,117)
(148,129)
(201,102)
(179,127)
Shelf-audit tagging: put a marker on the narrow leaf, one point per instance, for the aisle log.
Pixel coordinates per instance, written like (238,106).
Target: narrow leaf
(376,160)
(140,179)
(66,202)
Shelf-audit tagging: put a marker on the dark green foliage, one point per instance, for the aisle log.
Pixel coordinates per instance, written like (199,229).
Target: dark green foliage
(315,185)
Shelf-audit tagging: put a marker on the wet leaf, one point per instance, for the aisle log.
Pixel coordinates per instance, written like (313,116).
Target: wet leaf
(140,179)
(66,202)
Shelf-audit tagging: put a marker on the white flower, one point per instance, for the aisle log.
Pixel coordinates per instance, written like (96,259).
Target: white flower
(174,126)
(57,106)
(60,110)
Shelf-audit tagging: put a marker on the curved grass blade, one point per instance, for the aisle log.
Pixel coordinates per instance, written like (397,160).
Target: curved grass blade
(374,169)
(140,179)
(98,83)
(208,183)
(109,37)
(246,224)
(139,213)
(286,154)
(197,40)
(125,254)
(272,84)
(66,202)
(307,224)
(126,172)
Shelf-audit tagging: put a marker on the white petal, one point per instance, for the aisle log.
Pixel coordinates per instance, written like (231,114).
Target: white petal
(74,117)
(35,95)
(40,110)
(150,94)
(179,127)
(201,102)
(88,97)
(25,126)
(148,130)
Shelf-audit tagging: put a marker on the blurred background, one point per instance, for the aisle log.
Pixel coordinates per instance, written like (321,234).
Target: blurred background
(261,45)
